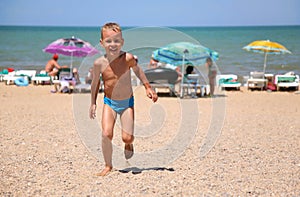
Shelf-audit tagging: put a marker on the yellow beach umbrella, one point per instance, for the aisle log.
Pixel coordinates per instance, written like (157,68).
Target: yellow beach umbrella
(266,47)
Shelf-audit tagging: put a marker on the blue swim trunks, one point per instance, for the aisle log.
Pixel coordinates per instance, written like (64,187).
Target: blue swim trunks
(119,105)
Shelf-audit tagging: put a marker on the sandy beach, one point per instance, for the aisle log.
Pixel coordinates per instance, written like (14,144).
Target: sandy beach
(256,153)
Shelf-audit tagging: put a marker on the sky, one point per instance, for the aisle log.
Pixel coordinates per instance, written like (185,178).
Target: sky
(150,12)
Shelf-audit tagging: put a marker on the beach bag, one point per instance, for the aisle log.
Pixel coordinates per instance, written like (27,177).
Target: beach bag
(271,86)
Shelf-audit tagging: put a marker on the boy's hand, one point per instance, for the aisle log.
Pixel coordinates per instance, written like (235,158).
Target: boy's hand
(151,94)
(92,111)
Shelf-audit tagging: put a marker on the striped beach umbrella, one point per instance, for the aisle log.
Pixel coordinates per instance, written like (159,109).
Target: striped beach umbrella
(73,47)
(183,53)
(266,47)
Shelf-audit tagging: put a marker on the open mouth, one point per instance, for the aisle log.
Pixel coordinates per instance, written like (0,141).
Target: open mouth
(113,50)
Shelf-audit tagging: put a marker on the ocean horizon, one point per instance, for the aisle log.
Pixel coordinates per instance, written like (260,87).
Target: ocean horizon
(21,46)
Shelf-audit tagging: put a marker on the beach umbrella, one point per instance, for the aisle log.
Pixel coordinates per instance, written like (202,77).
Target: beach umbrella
(266,47)
(73,47)
(182,53)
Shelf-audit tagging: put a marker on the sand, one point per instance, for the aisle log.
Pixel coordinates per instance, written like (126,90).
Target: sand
(256,151)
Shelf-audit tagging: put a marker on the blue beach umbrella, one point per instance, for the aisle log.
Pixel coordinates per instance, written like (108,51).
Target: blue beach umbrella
(182,53)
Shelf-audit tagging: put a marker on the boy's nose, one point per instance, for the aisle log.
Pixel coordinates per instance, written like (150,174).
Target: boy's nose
(112,44)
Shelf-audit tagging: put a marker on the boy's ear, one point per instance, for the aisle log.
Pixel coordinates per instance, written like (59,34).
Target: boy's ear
(101,42)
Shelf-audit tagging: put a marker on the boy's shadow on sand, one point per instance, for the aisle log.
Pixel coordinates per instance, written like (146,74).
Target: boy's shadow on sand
(163,94)
(136,170)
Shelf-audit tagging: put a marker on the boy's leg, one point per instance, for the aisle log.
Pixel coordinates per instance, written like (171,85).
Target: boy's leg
(108,121)
(127,124)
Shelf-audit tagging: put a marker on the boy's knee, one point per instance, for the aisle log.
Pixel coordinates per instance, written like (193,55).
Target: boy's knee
(127,139)
(107,134)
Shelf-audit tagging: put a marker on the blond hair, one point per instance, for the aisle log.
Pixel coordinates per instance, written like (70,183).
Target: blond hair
(112,26)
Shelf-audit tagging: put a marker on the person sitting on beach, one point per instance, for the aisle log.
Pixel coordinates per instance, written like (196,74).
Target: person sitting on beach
(115,68)
(192,81)
(52,67)
(76,75)
(153,63)
(189,70)
(89,77)
(176,68)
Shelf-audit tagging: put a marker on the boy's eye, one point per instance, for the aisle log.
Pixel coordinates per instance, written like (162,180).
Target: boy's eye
(117,41)
(108,41)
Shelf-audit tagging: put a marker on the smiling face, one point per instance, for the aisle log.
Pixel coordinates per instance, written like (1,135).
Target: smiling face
(112,41)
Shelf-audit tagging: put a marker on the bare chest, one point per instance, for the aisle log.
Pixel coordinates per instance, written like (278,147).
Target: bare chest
(115,72)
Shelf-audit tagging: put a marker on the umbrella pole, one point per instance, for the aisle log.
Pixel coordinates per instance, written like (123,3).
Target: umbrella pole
(265,62)
(182,77)
(71,66)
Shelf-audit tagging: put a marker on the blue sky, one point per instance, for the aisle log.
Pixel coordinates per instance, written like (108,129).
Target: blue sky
(150,12)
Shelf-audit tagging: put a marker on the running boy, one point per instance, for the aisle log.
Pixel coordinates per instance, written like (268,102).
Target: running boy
(115,68)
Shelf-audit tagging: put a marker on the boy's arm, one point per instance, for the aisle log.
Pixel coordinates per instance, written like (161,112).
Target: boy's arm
(141,75)
(95,88)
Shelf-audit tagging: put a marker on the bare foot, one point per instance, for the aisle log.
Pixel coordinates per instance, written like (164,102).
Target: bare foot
(128,151)
(105,171)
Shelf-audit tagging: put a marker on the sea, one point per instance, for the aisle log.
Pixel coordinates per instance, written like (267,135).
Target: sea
(21,47)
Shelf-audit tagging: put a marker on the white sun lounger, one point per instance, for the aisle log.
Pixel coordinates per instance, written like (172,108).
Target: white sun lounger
(41,78)
(228,81)
(12,76)
(257,80)
(286,81)
(191,85)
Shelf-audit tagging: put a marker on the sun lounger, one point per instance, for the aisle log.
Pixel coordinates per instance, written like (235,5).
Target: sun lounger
(162,78)
(65,80)
(15,75)
(3,73)
(286,81)
(41,78)
(191,86)
(256,81)
(228,81)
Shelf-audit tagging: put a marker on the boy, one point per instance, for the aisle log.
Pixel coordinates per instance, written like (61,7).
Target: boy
(115,68)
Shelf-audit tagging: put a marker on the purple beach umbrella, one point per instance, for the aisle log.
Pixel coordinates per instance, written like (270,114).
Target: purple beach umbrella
(73,47)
